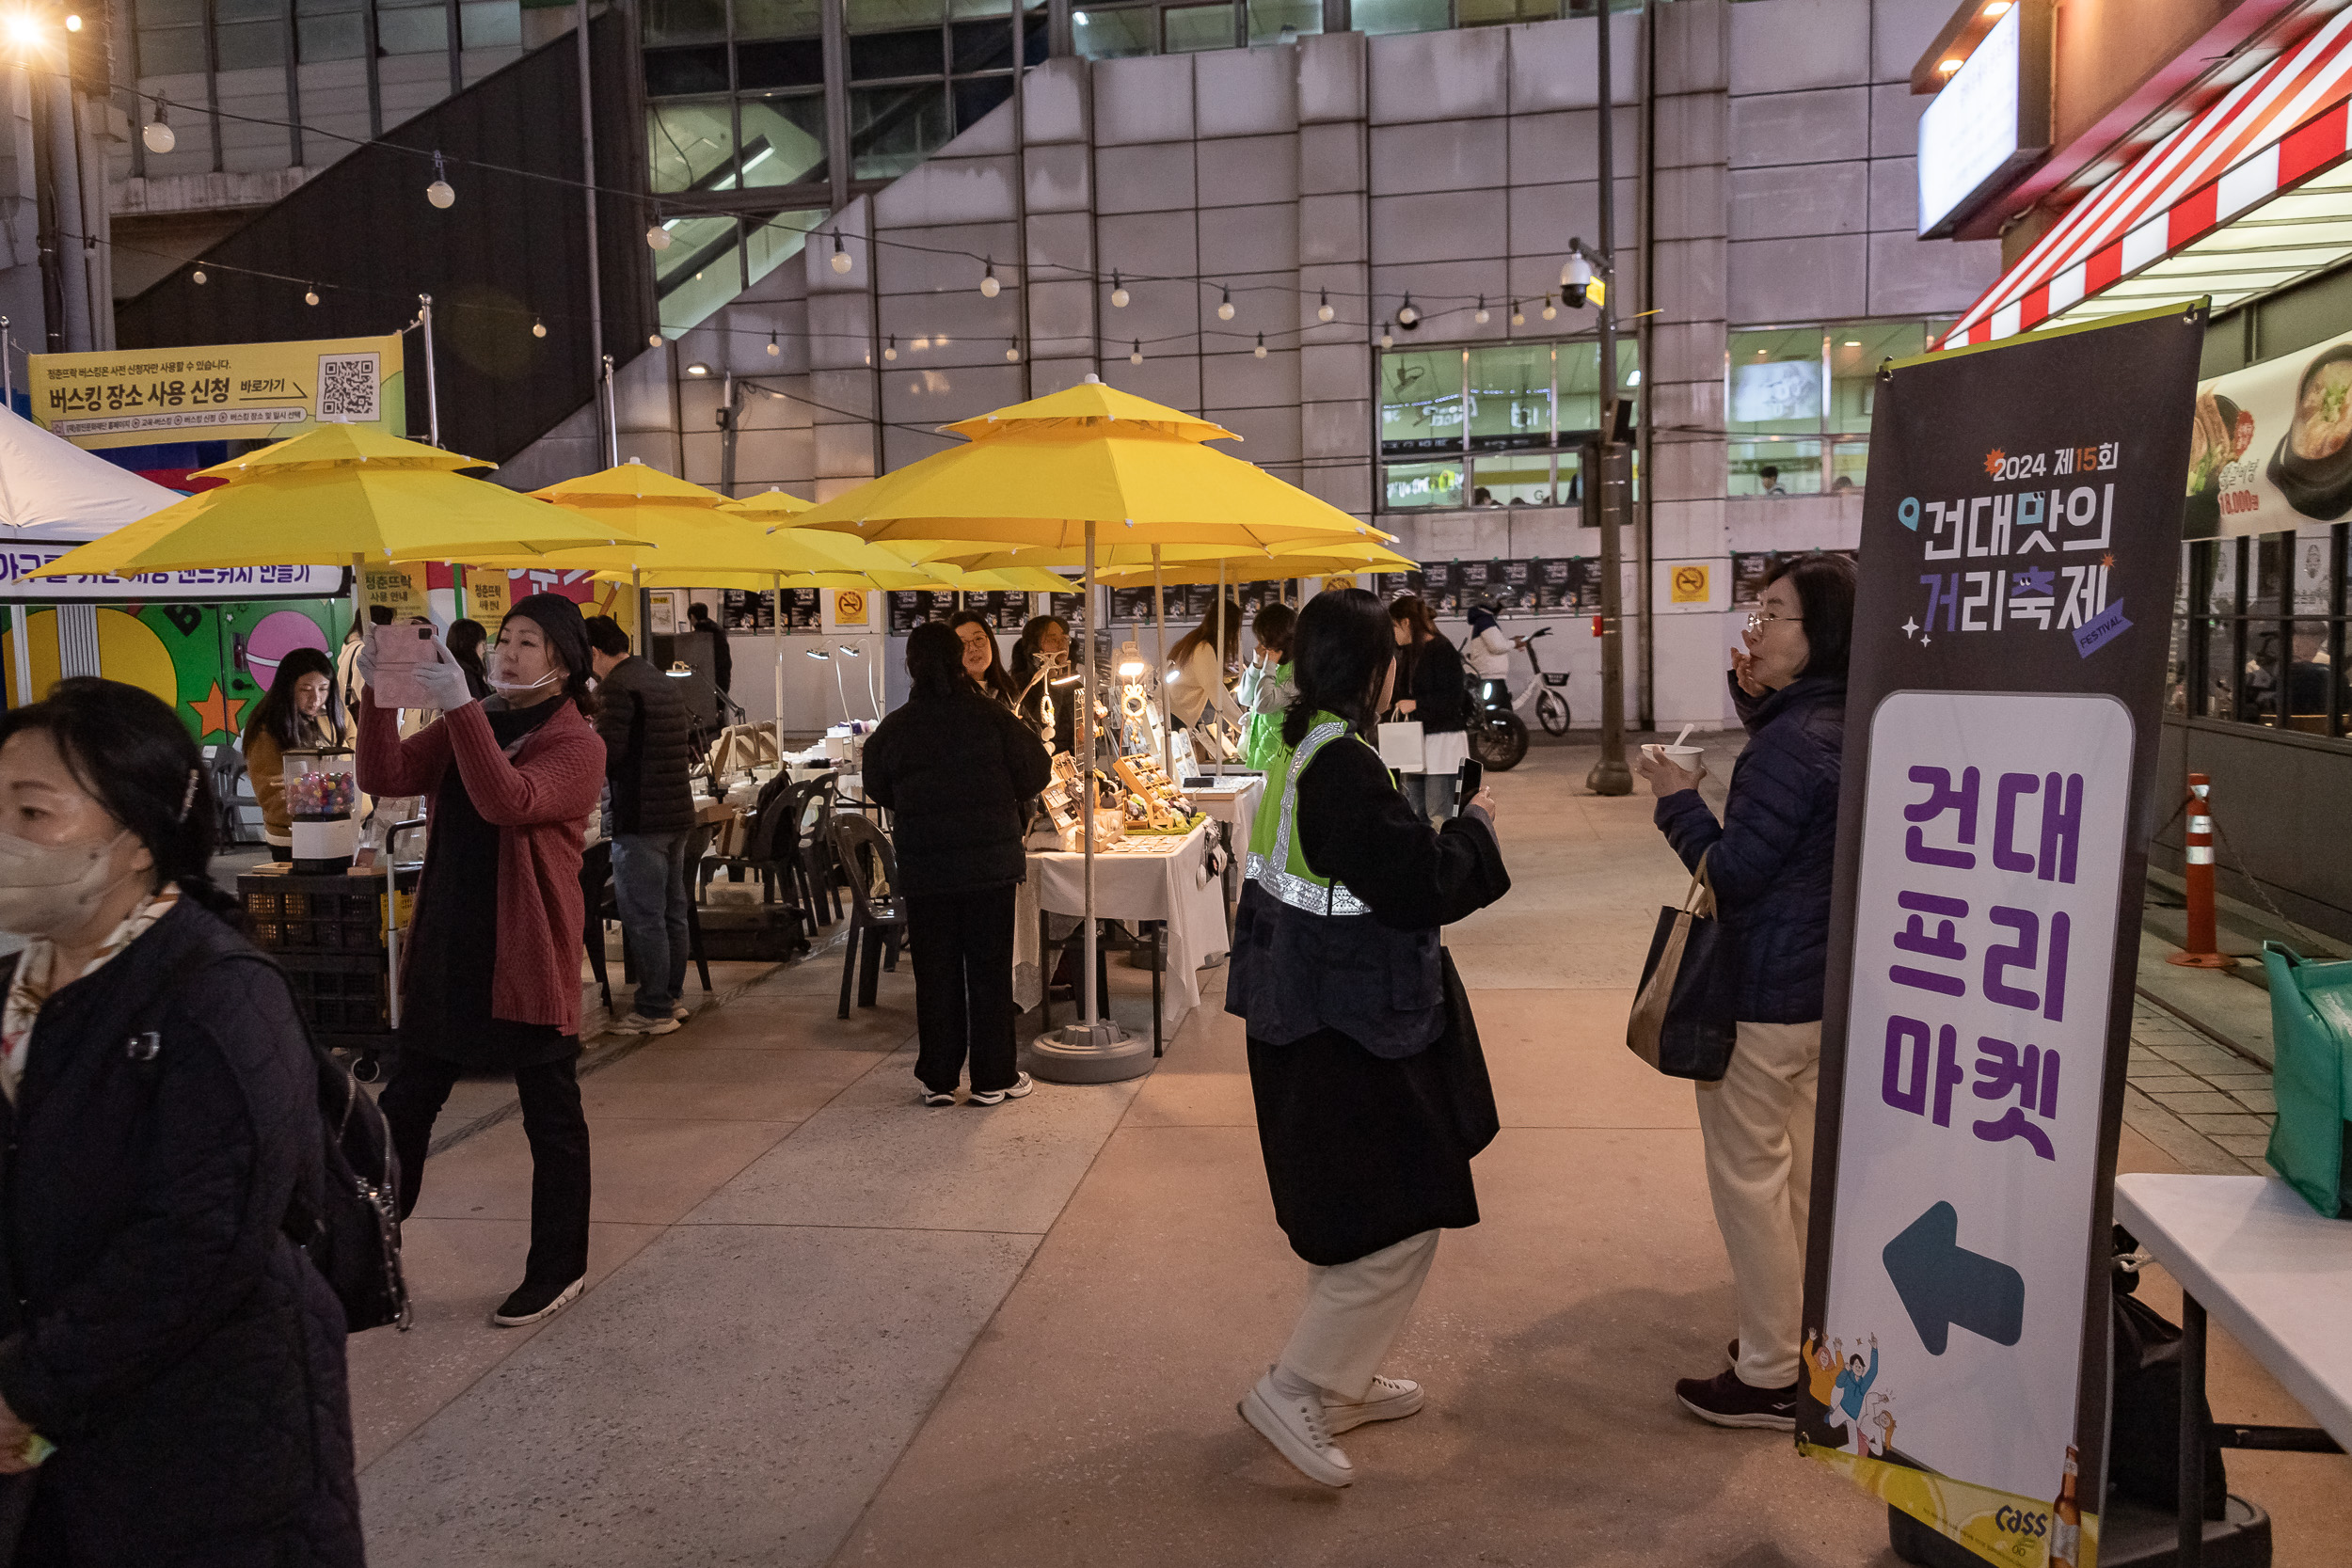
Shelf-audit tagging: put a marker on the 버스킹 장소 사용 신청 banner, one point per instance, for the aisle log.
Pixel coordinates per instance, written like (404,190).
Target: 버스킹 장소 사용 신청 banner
(2019,547)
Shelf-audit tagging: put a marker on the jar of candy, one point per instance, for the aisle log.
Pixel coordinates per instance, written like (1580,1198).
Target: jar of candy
(322,803)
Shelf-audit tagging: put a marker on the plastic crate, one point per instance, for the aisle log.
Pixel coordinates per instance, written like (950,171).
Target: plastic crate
(339,995)
(292,914)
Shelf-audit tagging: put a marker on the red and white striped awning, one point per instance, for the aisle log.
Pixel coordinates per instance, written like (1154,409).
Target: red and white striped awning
(2243,199)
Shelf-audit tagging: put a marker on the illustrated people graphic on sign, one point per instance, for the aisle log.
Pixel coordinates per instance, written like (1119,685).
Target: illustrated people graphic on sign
(1875,1434)
(1820,1362)
(1852,1388)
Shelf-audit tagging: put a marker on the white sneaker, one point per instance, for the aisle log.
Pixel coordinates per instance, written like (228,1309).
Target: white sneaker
(1022,1085)
(1298,1431)
(681,1012)
(637,1023)
(1389,1398)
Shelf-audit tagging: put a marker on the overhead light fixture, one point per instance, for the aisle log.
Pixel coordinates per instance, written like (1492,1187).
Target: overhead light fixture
(1225,307)
(1119,291)
(653,340)
(441,193)
(1518,317)
(890,350)
(1012,354)
(1482,316)
(840,255)
(988,286)
(774,348)
(197,277)
(1134,356)
(311,295)
(1388,339)
(1996,8)
(1947,67)
(72,23)
(698,367)
(1552,311)
(157,134)
(1260,351)
(1406,314)
(1853,343)
(1324,312)
(539,327)
(657,235)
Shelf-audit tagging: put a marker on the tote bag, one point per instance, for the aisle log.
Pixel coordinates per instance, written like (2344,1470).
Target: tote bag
(2310,1027)
(1681,1022)
(1401,746)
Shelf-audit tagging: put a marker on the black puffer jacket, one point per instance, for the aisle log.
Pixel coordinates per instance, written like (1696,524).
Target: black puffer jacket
(1431,675)
(1773,857)
(644,724)
(955,773)
(155,1322)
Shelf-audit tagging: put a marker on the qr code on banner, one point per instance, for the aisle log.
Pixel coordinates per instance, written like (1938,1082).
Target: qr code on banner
(347,387)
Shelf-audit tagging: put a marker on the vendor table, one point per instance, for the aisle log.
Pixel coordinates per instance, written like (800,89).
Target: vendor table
(1166,878)
(1232,800)
(2249,1250)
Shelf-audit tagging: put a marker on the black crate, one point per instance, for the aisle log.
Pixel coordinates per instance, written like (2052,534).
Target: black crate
(290,913)
(339,995)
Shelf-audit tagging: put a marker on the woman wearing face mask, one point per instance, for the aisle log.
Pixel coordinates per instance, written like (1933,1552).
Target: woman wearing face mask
(298,715)
(490,974)
(171,1366)
(1770,860)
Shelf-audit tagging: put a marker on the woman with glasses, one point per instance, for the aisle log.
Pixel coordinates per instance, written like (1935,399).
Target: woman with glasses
(1769,861)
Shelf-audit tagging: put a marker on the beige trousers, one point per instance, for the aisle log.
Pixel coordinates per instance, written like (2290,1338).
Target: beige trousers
(1353,1312)
(1758,1125)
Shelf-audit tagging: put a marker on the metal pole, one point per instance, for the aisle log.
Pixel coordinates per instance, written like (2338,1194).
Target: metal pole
(729,413)
(588,194)
(2190,1548)
(1168,719)
(7,368)
(432,388)
(1610,775)
(21,614)
(644,632)
(1085,788)
(777,626)
(611,419)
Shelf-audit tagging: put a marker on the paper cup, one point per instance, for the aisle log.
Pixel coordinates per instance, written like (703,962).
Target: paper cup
(1684,757)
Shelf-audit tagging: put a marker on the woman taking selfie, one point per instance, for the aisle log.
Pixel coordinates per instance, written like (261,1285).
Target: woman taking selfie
(297,715)
(1364,1126)
(171,1366)
(1769,861)
(490,971)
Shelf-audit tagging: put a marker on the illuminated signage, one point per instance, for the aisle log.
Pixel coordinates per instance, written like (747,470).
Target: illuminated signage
(1990,123)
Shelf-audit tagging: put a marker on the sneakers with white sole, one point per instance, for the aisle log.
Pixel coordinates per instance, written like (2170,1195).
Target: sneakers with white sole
(1299,1430)
(530,1304)
(637,1023)
(934,1096)
(1022,1085)
(1389,1398)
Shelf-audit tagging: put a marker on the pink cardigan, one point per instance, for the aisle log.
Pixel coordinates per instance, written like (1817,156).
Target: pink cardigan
(539,802)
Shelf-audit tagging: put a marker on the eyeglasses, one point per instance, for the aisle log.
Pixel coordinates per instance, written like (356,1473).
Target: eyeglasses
(1759,621)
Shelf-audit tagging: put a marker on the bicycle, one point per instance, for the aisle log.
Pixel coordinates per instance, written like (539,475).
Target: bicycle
(1498,736)
(1550,688)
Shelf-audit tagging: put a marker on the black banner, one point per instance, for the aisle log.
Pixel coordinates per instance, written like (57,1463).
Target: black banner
(2019,545)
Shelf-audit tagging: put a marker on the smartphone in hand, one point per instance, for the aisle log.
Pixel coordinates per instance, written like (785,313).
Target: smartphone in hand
(399,651)
(1471,781)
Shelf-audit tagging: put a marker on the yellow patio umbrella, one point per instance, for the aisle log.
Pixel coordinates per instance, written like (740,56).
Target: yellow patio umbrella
(1058,473)
(339,497)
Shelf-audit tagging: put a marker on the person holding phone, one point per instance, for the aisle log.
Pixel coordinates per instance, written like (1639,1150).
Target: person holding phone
(489,977)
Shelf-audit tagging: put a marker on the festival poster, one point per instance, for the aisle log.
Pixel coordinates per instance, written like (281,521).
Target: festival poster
(222,392)
(2020,542)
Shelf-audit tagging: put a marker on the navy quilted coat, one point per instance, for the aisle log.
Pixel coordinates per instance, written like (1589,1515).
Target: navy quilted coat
(1770,858)
(155,1322)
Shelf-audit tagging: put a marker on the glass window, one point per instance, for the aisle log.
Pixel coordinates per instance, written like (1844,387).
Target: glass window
(1423,484)
(332,38)
(684,20)
(1480,13)
(794,63)
(491,23)
(876,57)
(1518,480)
(977,97)
(882,16)
(779,240)
(673,72)
(701,270)
(784,139)
(778,19)
(1510,396)
(249,45)
(1112,35)
(983,45)
(1856,352)
(1580,381)
(1420,401)
(1267,18)
(689,146)
(1400,16)
(893,129)
(1848,464)
(1191,28)
(170,50)
(1776,382)
(412,29)
(1786,466)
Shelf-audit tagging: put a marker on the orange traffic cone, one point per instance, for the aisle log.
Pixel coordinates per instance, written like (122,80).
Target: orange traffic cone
(2201,948)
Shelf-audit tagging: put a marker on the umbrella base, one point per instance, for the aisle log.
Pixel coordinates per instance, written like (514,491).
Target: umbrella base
(1099,1052)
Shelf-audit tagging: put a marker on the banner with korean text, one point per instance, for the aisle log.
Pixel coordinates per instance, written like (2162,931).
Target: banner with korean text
(2019,547)
(223,392)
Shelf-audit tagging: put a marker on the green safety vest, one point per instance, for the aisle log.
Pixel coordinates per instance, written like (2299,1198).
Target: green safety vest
(1277,863)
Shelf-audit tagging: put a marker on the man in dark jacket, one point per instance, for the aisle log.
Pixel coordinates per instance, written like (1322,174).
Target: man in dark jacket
(698,618)
(648,814)
(957,769)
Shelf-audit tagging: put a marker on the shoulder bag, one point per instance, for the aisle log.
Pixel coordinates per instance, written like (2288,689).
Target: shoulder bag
(1681,1022)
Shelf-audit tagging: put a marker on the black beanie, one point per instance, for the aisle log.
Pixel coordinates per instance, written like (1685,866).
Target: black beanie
(558,619)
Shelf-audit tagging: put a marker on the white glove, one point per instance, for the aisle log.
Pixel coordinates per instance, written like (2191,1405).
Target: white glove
(365,663)
(443,682)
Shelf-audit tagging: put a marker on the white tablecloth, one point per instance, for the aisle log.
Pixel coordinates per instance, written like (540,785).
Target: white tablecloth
(1174,885)
(1236,804)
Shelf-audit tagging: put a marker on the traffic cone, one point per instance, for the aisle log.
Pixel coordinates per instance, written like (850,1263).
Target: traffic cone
(2201,947)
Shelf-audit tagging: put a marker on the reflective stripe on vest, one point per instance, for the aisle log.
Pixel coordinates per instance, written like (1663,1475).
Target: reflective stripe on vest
(1285,872)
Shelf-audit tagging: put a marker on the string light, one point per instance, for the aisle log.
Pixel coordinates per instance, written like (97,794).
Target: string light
(1260,349)
(840,255)
(1481,316)
(539,327)
(1119,291)
(441,193)
(657,235)
(1012,352)
(311,295)
(197,277)
(988,286)
(1388,339)
(1552,311)
(653,340)
(1518,317)
(1322,309)
(1134,356)
(158,133)
(1225,307)
(891,350)
(774,347)
(1406,314)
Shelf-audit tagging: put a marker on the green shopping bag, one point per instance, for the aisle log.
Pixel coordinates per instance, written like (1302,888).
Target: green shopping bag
(2311,1025)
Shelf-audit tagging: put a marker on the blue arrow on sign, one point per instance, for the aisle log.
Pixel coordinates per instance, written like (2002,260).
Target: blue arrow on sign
(1941,1284)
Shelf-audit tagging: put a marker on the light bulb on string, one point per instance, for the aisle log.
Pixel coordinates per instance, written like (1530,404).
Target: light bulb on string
(841,254)
(1134,356)
(1323,308)
(539,327)
(1225,307)
(657,235)
(1406,314)
(774,348)
(653,340)
(1118,293)
(890,351)
(1260,349)
(1388,339)
(1012,352)
(1482,316)
(197,277)
(988,286)
(1518,317)
(441,193)
(311,295)
(157,134)
(1552,311)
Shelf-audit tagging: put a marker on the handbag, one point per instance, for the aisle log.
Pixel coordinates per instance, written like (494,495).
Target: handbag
(1472,1092)
(1681,1022)
(2310,1027)
(1401,746)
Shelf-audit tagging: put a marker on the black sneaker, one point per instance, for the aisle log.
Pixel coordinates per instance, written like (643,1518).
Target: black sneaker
(1727,1401)
(935,1097)
(530,1304)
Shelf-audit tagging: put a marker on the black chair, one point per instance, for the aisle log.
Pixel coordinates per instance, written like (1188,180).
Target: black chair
(813,853)
(229,772)
(875,908)
(772,853)
(595,889)
(697,845)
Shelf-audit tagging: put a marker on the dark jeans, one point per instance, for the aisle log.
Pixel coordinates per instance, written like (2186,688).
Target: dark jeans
(962,945)
(554,1122)
(649,885)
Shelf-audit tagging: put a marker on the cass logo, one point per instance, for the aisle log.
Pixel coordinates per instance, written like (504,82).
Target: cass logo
(2020,1521)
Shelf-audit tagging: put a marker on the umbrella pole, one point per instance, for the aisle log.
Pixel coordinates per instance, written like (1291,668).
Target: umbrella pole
(777,626)
(21,613)
(1085,788)
(636,601)
(1159,619)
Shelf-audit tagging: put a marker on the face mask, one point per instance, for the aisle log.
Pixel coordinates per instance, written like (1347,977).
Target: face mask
(48,888)
(517,688)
